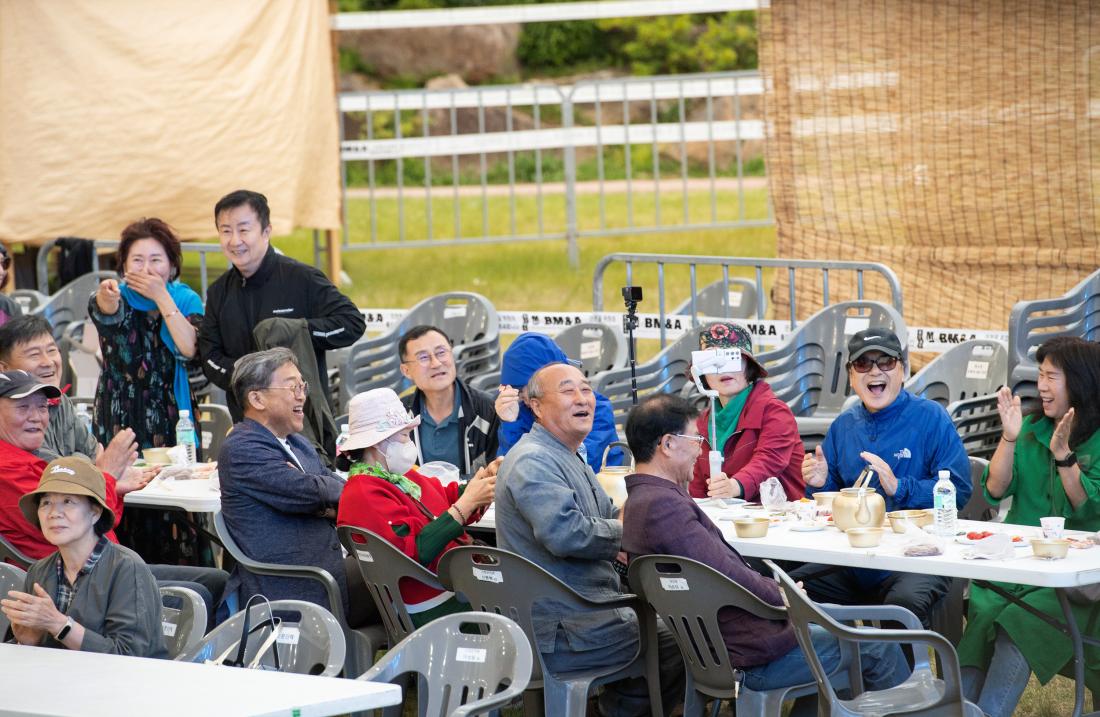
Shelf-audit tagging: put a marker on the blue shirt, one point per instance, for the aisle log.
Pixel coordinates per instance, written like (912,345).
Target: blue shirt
(441,441)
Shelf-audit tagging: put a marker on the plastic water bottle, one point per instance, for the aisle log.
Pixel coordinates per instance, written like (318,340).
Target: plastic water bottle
(185,435)
(943,497)
(84,417)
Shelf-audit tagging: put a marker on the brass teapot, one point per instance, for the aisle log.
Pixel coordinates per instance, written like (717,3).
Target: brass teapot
(613,478)
(860,506)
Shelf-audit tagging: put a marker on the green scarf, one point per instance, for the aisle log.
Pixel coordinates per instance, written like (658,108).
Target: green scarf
(726,418)
(374,469)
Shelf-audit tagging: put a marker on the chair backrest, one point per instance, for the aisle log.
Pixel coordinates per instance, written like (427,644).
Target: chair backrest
(807,371)
(470,663)
(216,422)
(470,321)
(978,424)
(11,578)
(598,347)
(384,567)
(977,507)
(182,618)
(29,299)
(70,302)
(1075,313)
(738,301)
(311,641)
(687,595)
(973,368)
(10,554)
(666,372)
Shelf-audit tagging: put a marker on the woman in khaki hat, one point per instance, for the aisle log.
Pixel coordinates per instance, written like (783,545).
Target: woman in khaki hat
(386,495)
(92,594)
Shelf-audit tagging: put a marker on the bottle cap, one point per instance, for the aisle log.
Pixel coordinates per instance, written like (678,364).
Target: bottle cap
(185,414)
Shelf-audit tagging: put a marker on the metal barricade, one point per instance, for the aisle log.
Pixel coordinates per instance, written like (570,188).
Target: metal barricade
(507,159)
(757,266)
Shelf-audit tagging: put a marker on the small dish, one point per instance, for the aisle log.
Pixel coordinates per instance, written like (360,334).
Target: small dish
(1050,548)
(864,537)
(919,518)
(751,527)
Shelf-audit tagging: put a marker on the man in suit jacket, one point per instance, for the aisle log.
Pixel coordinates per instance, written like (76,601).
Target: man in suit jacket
(278,499)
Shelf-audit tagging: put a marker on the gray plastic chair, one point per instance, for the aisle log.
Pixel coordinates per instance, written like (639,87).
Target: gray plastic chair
(10,554)
(312,641)
(738,301)
(216,422)
(487,382)
(978,508)
(973,368)
(1030,323)
(29,300)
(462,672)
(470,321)
(921,694)
(689,607)
(808,369)
(362,643)
(502,582)
(666,372)
(183,618)
(11,578)
(598,347)
(384,567)
(978,424)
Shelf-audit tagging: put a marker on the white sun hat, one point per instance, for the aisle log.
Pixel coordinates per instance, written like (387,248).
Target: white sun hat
(374,416)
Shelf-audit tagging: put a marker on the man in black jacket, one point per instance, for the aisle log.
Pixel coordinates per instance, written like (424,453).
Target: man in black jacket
(261,285)
(458,424)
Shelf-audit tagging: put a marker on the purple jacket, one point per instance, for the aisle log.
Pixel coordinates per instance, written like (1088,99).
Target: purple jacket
(661,518)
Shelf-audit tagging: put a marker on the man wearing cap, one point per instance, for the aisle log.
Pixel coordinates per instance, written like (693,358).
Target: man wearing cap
(906,440)
(278,498)
(458,424)
(91,595)
(754,429)
(551,510)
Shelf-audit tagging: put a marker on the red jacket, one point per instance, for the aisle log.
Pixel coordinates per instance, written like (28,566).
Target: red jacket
(375,504)
(20,472)
(766,443)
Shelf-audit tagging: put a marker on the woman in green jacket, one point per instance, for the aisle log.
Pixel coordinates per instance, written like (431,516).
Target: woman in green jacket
(1049,462)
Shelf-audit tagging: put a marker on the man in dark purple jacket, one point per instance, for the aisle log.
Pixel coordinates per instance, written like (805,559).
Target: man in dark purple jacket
(660,517)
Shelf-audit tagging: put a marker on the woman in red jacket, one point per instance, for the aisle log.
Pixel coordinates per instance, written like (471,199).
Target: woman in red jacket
(756,430)
(386,495)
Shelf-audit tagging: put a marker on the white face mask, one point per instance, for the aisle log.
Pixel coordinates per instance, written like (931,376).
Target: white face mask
(400,457)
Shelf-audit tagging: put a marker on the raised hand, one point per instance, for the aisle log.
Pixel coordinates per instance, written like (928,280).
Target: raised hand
(149,285)
(815,470)
(117,457)
(886,477)
(507,403)
(107,296)
(1059,441)
(1011,415)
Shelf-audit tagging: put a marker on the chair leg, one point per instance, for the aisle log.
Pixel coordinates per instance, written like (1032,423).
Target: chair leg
(694,703)
(568,699)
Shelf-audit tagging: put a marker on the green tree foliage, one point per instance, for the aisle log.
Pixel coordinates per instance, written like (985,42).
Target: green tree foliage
(684,43)
(558,45)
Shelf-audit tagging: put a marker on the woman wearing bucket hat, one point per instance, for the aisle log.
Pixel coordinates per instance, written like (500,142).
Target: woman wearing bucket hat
(385,495)
(92,594)
(756,431)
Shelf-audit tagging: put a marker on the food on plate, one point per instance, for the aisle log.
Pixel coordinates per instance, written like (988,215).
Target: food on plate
(925,550)
(978,534)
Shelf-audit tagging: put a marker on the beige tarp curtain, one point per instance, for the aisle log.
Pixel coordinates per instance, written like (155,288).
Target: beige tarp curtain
(958,142)
(117,109)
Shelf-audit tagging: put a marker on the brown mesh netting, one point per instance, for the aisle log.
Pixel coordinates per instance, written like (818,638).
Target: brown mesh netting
(957,142)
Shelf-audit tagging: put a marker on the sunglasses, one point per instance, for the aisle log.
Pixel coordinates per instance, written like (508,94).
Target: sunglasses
(863,364)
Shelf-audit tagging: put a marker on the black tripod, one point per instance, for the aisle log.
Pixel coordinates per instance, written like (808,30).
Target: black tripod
(632,295)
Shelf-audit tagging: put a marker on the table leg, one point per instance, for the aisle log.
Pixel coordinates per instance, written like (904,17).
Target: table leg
(1078,654)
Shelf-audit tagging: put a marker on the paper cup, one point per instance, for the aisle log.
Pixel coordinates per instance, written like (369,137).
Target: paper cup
(1053,527)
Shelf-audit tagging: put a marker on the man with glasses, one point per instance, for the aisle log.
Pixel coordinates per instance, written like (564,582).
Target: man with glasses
(458,424)
(278,499)
(906,440)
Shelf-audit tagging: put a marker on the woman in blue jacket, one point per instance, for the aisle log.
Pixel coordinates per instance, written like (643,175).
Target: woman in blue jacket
(527,354)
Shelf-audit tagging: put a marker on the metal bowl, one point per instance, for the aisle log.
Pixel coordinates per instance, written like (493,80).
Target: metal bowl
(864,537)
(1050,548)
(919,518)
(751,527)
(824,499)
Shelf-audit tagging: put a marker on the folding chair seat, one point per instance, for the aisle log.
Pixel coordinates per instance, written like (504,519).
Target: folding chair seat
(183,619)
(11,578)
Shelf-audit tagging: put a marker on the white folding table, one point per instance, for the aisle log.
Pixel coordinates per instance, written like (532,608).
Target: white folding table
(46,682)
(192,496)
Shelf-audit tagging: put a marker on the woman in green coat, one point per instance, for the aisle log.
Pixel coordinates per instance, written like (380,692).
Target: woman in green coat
(1049,463)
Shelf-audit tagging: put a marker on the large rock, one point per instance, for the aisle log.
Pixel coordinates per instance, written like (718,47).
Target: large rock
(476,53)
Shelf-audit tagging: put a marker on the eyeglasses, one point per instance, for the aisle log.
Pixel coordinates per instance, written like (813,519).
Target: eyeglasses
(300,389)
(863,364)
(424,358)
(697,439)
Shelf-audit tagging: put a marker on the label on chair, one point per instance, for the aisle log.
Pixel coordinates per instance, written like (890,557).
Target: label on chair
(735,299)
(168,628)
(454,311)
(470,654)
(855,324)
(674,584)
(365,556)
(590,350)
(977,369)
(287,635)
(488,576)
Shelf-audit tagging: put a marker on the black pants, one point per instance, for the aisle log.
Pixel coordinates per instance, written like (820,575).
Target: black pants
(914,591)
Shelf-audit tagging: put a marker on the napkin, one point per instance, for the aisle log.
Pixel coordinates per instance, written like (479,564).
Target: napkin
(995,547)
(920,543)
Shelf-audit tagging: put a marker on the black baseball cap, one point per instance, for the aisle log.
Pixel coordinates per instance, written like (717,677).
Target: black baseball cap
(874,339)
(20,384)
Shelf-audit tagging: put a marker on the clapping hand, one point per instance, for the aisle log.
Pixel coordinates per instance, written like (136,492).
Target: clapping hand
(117,457)
(35,613)
(886,477)
(1059,440)
(815,470)
(1011,415)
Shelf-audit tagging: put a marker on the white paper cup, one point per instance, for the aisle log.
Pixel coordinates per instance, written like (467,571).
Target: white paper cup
(1053,527)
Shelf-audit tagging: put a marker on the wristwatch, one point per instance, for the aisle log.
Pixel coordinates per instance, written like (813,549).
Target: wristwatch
(1066,462)
(64,632)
